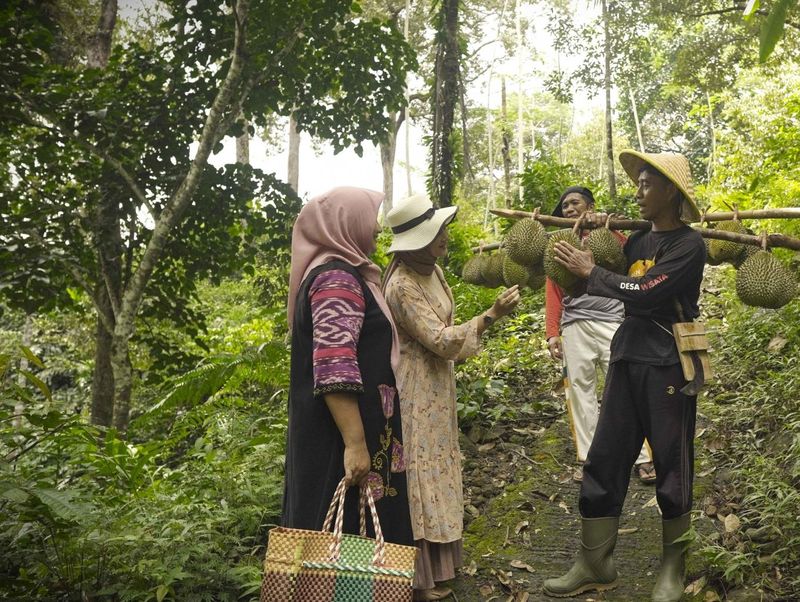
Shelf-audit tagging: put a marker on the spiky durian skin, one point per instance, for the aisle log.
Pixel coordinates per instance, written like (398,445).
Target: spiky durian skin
(525,242)
(554,270)
(492,270)
(726,250)
(607,250)
(536,281)
(471,272)
(764,281)
(514,273)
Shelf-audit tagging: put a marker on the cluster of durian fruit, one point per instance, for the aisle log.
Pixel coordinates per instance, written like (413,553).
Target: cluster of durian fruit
(762,280)
(527,256)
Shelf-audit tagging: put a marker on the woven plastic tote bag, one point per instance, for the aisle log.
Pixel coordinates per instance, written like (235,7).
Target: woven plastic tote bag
(330,566)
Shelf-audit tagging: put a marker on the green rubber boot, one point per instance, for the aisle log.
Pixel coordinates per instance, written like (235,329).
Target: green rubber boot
(594,567)
(669,585)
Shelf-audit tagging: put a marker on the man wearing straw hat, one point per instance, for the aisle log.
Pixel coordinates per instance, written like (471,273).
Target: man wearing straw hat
(643,396)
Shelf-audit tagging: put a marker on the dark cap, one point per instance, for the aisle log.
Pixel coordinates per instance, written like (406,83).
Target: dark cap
(580,190)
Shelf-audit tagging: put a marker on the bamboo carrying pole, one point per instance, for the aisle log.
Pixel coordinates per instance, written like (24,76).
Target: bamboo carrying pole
(773,240)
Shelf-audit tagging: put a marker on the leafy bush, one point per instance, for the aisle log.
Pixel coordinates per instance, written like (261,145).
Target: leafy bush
(182,516)
(494,384)
(757,416)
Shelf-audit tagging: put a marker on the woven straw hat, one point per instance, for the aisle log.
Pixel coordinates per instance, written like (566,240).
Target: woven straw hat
(674,167)
(415,222)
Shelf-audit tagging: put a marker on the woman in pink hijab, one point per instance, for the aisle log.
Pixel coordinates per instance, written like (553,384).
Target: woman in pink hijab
(344,414)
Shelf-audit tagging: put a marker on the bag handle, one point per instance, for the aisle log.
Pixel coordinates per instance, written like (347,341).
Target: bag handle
(326,525)
(365,498)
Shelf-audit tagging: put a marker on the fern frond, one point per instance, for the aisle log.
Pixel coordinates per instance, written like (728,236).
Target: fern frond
(262,365)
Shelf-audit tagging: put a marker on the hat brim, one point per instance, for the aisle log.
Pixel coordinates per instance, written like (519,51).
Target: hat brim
(633,161)
(422,235)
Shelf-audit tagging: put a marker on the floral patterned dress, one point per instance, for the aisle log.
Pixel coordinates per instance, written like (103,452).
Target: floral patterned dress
(422,307)
(341,342)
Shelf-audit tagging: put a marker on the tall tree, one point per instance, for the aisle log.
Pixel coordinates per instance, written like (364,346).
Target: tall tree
(109,245)
(612,180)
(293,163)
(506,143)
(74,132)
(445,97)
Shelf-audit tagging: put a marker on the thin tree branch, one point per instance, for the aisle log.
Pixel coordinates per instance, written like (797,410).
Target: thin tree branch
(738,8)
(479,48)
(183,195)
(97,152)
(77,276)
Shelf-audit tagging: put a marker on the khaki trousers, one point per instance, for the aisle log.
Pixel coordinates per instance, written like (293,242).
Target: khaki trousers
(586,345)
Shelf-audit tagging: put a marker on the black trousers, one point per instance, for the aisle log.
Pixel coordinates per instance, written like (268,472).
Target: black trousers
(641,401)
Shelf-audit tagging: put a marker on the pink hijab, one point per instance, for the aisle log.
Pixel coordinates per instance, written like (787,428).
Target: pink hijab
(339,225)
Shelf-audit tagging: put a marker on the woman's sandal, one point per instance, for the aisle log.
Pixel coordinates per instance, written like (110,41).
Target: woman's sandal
(647,472)
(437,593)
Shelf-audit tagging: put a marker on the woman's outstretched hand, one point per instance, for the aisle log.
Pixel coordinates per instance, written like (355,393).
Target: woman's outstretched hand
(506,302)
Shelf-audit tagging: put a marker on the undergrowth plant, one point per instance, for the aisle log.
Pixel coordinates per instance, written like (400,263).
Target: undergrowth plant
(755,412)
(182,516)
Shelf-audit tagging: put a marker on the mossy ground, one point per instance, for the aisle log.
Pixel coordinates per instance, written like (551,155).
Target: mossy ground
(527,528)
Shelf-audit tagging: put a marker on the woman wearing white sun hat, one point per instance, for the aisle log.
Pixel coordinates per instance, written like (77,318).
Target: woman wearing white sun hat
(422,306)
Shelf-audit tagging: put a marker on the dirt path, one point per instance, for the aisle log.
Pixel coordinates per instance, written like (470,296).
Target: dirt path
(523,524)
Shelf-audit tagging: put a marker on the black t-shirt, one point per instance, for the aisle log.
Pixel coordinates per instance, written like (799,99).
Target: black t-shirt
(662,267)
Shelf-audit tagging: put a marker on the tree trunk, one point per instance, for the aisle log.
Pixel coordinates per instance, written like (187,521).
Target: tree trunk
(445,99)
(506,147)
(612,181)
(636,120)
(294,155)
(99,48)
(108,242)
(388,152)
(102,375)
(123,382)
(225,103)
(243,145)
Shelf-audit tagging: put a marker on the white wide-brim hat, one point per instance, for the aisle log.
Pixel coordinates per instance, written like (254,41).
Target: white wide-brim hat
(415,222)
(674,167)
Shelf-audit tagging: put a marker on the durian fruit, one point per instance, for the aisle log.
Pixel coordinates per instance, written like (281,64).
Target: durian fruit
(709,259)
(492,270)
(764,281)
(536,281)
(607,250)
(537,269)
(514,273)
(747,253)
(726,250)
(525,242)
(471,273)
(554,270)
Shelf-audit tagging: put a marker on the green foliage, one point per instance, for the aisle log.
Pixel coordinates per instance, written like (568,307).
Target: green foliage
(772,28)
(758,152)
(543,182)
(181,516)
(758,415)
(101,188)
(495,384)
